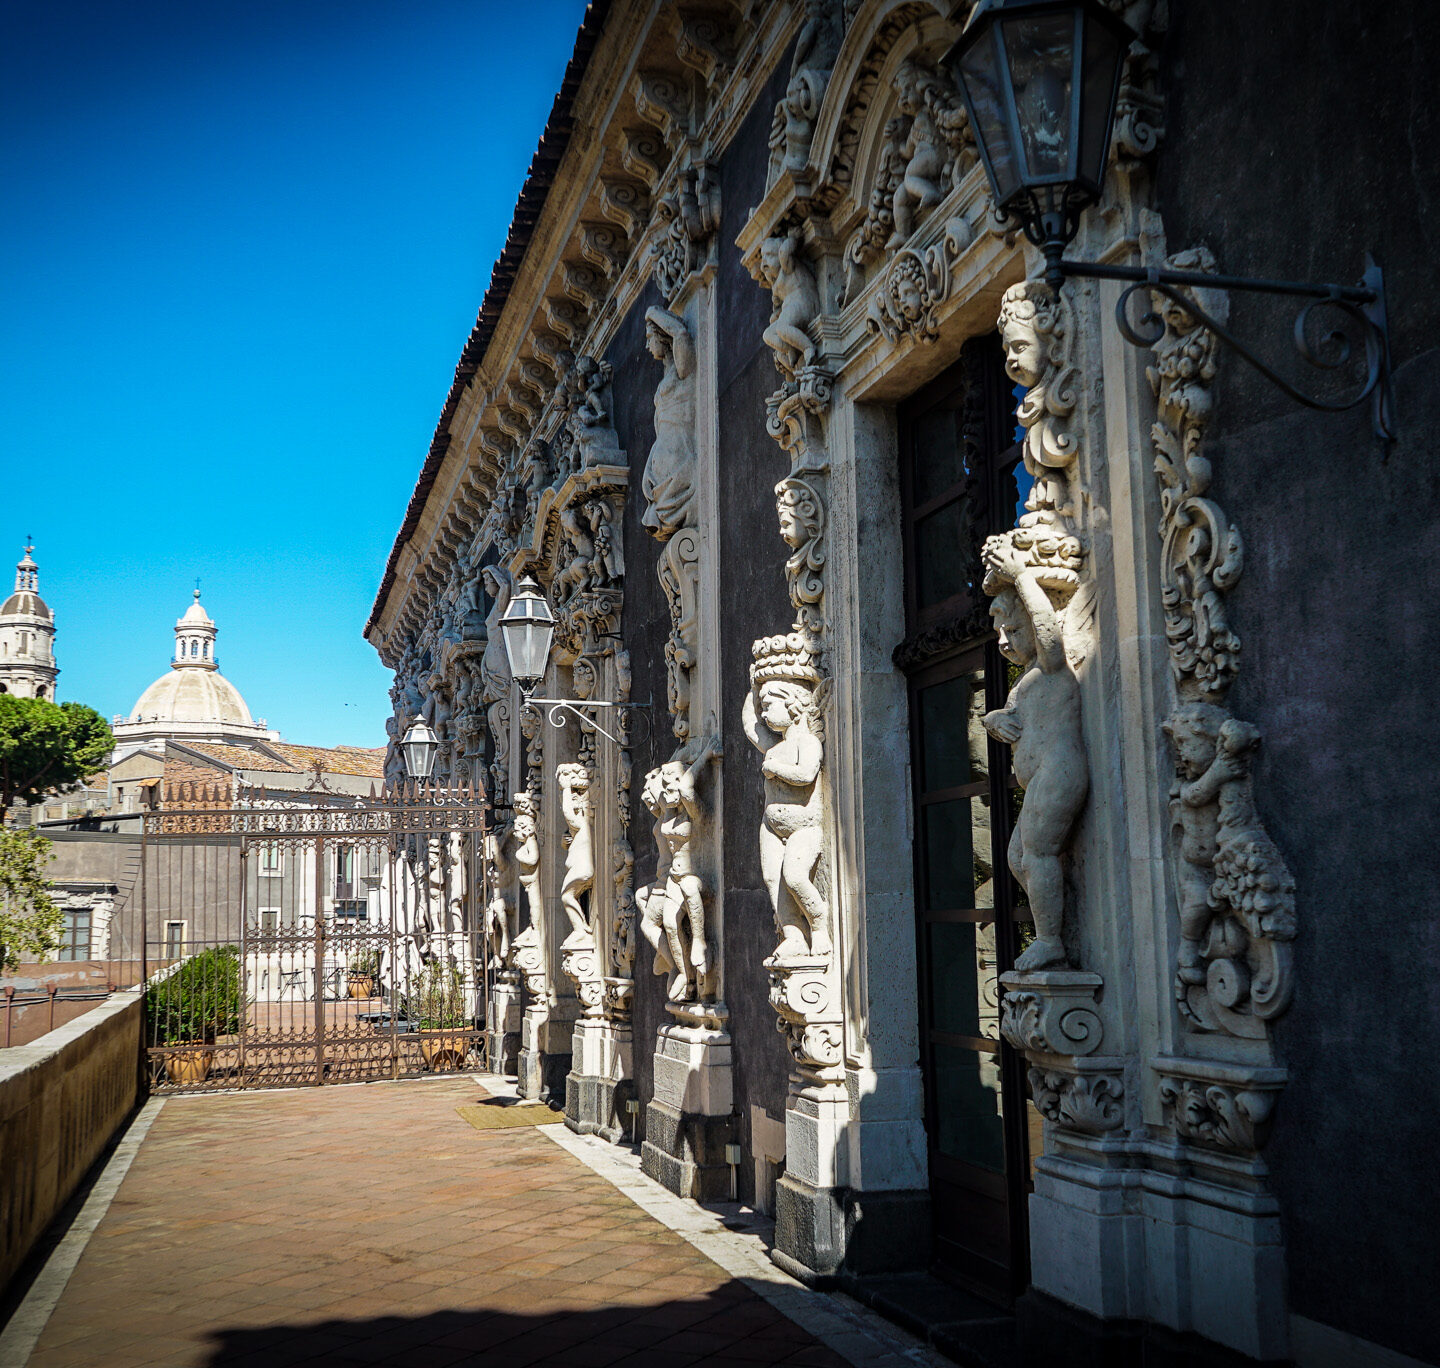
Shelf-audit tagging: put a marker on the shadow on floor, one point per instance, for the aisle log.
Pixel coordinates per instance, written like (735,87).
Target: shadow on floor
(731,1326)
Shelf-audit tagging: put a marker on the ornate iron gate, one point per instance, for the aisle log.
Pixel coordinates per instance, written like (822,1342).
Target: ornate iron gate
(314,938)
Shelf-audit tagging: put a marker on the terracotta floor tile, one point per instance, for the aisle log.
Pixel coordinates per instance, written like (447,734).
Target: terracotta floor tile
(372,1225)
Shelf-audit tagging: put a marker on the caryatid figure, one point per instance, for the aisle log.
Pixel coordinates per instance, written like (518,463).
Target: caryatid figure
(1041,723)
(669,479)
(780,718)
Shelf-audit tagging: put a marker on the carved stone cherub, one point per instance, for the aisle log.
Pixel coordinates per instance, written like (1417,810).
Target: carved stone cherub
(794,298)
(780,720)
(1041,722)
(923,151)
(579,876)
(526,845)
(580,548)
(669,478)
(608,563)
(1229,867)
(684,893)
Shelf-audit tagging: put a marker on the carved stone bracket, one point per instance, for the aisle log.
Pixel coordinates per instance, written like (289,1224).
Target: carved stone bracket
(529,959)
(1051,1011)
(581,963)
(794,417)
(1226,1107)
(1086,1095)
(915,285)
(808,1014)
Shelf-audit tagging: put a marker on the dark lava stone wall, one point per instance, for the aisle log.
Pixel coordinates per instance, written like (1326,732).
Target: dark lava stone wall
(646,627)
(754,602)
(1300,135)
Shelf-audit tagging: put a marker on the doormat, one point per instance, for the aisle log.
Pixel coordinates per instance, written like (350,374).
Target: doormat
(500,1115)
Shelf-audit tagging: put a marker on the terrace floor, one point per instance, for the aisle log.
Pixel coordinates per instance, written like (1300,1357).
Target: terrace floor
(372,1224)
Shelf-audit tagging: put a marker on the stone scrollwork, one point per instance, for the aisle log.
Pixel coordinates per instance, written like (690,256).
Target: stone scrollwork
(692,217)
(1235,892)
(679,571)
(1051,1012)
(802,528)
(793,127)
(1038,334)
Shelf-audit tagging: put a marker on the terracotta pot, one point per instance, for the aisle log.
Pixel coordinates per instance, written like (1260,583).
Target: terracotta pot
(362,986)
(189,1068)
(444,1052)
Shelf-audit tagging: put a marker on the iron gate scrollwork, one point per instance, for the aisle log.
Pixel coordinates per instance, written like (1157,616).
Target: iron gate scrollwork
(295,940)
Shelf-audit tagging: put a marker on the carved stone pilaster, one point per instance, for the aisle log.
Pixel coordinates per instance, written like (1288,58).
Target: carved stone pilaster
(1235,892)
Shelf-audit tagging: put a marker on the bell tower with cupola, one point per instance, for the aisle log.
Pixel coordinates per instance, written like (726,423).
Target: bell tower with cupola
(27,637)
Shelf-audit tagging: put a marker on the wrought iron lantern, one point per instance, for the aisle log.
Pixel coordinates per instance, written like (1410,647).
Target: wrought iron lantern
(1040,79)
(526,629)
(421,746)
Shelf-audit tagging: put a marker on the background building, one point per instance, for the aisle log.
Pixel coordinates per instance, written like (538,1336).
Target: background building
(27,637)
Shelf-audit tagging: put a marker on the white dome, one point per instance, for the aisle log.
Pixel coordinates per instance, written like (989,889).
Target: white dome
(192,695)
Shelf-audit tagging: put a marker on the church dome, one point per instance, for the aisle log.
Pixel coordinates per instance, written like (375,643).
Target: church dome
(26,600)
(191,694)
(193,700)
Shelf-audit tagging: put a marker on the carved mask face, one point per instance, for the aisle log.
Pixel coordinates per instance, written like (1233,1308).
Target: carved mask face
(1017,640)
(650,794)
(584,679)
(789,522)
(908,298)
(1024,356)
(670,783)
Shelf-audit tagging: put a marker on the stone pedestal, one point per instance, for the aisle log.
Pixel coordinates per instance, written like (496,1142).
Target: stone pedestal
(601,1079)
(691,1119)
(544,1057)
(810,1235)
(503,1022)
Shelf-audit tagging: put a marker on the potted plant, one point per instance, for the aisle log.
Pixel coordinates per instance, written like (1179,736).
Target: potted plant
(441,1007)
(190,1007)
(364,971)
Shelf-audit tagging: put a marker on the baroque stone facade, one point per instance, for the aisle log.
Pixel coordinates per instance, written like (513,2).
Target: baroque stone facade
(697,413)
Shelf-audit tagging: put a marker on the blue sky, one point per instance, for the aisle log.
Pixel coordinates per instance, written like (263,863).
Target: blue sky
(242,246)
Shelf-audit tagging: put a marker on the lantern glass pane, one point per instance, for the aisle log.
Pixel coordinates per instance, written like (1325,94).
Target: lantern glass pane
(984,88)
(1040,49)
(1104,52)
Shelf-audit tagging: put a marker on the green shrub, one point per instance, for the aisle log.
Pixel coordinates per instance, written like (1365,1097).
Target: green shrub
(440,1004)
(199,1001)
(365,964)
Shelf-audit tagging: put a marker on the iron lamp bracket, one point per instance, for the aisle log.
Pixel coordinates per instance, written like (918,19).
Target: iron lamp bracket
(556,710)
(1362,306)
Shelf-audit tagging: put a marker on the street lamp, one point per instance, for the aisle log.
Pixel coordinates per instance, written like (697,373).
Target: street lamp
(526,631)
(420,746)
(1040,80)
